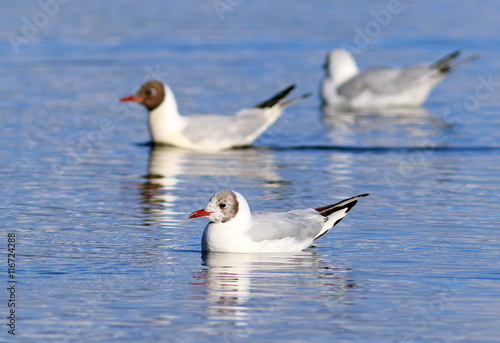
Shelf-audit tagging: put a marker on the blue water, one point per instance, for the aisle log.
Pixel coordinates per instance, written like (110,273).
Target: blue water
(105,251)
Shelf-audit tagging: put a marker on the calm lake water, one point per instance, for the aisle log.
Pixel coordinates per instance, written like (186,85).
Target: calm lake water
(105,251)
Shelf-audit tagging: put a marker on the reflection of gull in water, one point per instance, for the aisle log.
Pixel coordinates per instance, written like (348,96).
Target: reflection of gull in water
(169,166)
(164,168)
(416,111)
(388,127)
(239,285)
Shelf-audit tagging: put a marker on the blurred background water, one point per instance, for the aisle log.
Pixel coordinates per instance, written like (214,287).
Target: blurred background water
(105,250)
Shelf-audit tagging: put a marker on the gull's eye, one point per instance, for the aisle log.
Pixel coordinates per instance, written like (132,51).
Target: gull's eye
(151,91)
(222,205)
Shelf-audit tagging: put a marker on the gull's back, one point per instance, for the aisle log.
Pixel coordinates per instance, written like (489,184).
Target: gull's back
(386,80)
(214,131)
(301,226)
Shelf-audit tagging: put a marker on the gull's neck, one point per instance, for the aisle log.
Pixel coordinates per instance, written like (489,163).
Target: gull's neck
(342,68)
(165,122)
(230,236)
(244,217)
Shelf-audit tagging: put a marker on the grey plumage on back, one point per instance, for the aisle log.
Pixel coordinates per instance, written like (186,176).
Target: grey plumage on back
(299,225)
(390,80)
(245,126)
(231,127)
(384,80)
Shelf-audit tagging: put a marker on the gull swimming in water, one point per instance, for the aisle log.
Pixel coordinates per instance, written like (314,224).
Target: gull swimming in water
(206,132)
(345,87)
(233,228)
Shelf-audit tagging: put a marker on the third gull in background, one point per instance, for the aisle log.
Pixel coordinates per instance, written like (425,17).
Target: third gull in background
(345,87)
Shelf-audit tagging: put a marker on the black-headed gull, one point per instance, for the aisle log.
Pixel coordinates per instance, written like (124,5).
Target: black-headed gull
(345,87)
(233,228)
(206,132)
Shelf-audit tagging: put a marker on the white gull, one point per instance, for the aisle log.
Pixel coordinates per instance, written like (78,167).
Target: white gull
(233,228)
(345,87)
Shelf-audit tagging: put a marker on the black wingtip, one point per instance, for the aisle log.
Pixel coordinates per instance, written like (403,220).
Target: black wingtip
(347,204)
(444,63)
(276,98)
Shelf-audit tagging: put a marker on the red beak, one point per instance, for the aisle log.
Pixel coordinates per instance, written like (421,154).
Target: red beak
(131,98)
(199,213)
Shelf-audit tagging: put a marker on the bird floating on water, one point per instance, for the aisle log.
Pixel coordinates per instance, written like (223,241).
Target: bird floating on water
(345,87)
(233,228)
(206,132)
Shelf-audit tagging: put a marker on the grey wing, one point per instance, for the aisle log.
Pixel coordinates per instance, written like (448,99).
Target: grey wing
(385,80)
(235,129)
(300,225)
(206,128)
(253,121)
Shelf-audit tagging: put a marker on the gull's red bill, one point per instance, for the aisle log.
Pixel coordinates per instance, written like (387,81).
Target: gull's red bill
(199,213)
(131,98)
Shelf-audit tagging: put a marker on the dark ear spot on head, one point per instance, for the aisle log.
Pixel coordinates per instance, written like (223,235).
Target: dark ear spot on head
(228,204)
(152,94)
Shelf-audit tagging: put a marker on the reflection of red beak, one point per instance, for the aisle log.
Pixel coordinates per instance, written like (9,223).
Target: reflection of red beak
(199,213)
(131,98)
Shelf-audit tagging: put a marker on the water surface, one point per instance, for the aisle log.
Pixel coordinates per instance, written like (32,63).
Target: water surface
(106,252)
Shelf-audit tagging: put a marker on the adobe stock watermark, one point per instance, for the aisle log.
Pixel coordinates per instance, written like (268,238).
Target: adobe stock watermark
(222,6)
(364,36)
(262,311)
(90,140)
(455,115)
(424,316)
(30,26)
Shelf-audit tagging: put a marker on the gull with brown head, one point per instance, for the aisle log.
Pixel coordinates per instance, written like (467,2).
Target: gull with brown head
(206,132)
